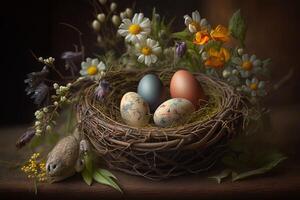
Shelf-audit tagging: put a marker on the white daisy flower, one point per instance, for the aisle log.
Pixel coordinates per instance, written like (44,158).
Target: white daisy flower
(247,65)
(147,51)
(92,68)
(136,29)
(254,87)
(195,23)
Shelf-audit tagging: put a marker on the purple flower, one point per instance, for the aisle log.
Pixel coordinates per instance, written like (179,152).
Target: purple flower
(36,87)
(35,78)
(40,94)
(25,138)
(71,58)
(102,90)
(180,48)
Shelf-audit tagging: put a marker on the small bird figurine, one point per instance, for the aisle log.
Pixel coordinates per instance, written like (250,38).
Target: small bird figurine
(65,159)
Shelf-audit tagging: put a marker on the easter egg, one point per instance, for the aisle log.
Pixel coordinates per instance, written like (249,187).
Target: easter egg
(185,85)
(173,112)
(134,110)
(152,90)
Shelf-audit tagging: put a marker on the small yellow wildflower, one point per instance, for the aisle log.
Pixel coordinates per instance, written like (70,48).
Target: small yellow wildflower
(35,169)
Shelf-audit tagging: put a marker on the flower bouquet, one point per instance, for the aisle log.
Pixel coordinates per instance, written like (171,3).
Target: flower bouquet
(151,102)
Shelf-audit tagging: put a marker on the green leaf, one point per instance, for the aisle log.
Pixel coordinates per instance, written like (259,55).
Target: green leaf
(155,24)
(266,62)
(89,163)
(87,176)
(276,159)
(52,138)
(88,171)
(224,174)
(183,35)
(237,27)
(249,157)
(107,173)
(213,44)
(106,180)
(35,142)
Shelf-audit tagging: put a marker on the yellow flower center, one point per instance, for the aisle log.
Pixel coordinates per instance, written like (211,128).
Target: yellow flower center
(134,29)
(146,51)
(92,70)
(247,65)
(253,86)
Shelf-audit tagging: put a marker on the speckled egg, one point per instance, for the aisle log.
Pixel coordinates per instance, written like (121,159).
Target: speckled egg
(134,110)
(184,85)
(152,90)
(173,112)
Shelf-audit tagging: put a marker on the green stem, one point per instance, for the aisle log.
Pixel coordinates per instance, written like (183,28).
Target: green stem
(70,119)
(35,186)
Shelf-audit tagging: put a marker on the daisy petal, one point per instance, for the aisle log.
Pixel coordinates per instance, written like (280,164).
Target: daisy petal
(157,50)
(83,72)
(141,58)
(257,63)
(135,18)
(253,93)
(89,60)
(203,22)
(261,84)
(148,60)
(254,80)
(139,37)
(196,16)
(95,62)
(187,20)
(123,32)
(245,57)
(248,82)
(140,18)
(192,28)
(84,65)
(101,66)
(129,38)
(153,58)
(252,58)
(237,60)
(145,23)
(126,21)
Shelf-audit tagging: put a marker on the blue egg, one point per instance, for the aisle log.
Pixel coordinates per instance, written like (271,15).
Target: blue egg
(152,90)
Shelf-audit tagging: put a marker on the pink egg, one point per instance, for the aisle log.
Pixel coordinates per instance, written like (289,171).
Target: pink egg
(185,85)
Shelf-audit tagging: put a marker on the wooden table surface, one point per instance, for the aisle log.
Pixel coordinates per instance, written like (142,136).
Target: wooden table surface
(282,183)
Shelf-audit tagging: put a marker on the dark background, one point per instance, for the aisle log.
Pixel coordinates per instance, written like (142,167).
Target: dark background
(32,25)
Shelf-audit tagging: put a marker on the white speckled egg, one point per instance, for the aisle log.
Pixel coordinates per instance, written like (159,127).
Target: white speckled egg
(173,112)
(134,110)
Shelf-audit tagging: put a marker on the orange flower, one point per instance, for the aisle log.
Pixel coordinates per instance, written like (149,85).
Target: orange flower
(216,58)
(220,33)
(201,38)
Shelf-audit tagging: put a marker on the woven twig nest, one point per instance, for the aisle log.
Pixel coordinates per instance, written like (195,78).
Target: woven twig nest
(155,152)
